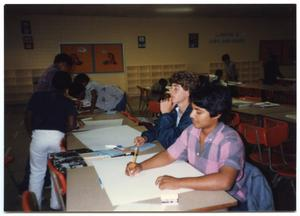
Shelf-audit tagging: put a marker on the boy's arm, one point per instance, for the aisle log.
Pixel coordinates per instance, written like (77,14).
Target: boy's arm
(223,180)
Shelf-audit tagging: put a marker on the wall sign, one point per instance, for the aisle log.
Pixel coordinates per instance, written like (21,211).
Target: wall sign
(228,37)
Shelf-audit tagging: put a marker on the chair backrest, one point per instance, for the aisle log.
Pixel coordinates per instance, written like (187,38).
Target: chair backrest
(60,177)
(253,134)
(154,107)
(277,132)
(29,202)
(59,182)
(144,93)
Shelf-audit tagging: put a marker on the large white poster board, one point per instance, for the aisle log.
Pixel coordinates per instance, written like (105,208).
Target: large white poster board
(97,139)
(123,189)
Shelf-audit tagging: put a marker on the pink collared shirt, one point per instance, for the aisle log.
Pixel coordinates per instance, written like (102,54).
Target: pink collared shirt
(222,147)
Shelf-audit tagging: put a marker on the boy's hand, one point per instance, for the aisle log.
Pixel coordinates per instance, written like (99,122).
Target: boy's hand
(133,169)
(139,141)
(166,105)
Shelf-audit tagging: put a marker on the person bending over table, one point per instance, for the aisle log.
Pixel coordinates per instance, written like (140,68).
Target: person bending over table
(208,144)
(175,112)
(104,97)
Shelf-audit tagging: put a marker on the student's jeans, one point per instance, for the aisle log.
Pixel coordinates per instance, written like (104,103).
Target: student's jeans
(43,142)
(121,106)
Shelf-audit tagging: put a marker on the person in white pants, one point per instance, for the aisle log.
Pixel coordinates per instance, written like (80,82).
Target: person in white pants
(49,115)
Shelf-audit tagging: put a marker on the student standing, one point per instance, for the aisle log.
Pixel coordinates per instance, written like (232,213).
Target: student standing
(62,62)
(49,115)
(229,68)
(175,112)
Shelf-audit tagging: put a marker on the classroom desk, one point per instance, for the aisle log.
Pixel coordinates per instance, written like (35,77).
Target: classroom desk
(276,93)
(269,111)
(84,193)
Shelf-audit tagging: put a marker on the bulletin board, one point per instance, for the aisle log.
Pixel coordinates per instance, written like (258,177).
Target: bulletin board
(108,58)
(95,58)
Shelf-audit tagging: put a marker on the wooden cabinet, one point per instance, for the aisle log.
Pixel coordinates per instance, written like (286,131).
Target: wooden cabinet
(147,75)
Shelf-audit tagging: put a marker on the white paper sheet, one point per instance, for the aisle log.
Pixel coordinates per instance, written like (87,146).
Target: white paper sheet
(97,139)
(122,189)
(94,124)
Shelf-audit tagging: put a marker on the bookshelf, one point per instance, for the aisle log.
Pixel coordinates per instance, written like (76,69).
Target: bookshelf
(147,75)
(19,85)
(248,71)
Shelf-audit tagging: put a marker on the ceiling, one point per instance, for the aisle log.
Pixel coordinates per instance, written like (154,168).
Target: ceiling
(171,10)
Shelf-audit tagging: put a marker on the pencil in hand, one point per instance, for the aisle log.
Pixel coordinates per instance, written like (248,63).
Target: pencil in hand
(136,150)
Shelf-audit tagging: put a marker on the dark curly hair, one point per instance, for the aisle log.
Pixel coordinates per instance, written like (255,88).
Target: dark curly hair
(186,79)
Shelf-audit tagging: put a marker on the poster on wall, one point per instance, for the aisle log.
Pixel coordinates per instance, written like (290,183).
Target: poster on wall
(82,57)
(108,58)
(141,42)
(193,40)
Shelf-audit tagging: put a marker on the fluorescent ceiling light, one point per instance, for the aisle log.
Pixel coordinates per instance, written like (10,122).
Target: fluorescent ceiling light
(174,10)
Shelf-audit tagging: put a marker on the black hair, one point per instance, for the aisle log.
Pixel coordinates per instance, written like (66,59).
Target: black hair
(163,82)
(76,90)
(225,57)
(63,58)
(215,99)
(61,80)
(81,78)
(219,73)
(186,79)
(202,82)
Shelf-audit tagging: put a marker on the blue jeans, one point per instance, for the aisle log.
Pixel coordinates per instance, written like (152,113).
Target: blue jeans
(121,106)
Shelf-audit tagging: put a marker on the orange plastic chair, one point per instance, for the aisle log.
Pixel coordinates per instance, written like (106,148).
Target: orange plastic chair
(29,202)
(59,182)
(154,108)
(272,135)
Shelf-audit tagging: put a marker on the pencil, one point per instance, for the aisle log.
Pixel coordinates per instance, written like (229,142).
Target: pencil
(135,154)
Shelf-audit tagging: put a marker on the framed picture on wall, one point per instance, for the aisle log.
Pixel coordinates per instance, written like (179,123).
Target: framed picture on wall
(108,58)
(82,56)
(193,40)
(141,42)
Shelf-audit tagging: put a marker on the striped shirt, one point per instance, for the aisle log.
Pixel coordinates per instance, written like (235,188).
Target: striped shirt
(222,147)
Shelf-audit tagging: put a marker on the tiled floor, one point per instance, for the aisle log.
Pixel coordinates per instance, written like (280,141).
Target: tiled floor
(18,140)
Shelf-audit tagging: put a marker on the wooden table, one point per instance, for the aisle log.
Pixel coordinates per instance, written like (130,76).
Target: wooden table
(278,112)
(276,93)
(84,193)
